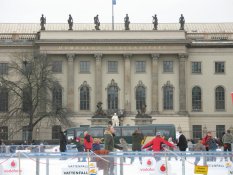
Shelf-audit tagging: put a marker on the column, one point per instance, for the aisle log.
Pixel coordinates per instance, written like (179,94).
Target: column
(98,78)
(127,83)
(154,84)
(182,83)
(70,82)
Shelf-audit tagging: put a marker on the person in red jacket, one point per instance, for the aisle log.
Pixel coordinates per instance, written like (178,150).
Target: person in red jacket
(88,141)
(156,144)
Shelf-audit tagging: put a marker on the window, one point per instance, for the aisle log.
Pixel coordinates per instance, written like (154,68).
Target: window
(219,98)
(219,67)
(112,66)
(112,95)
(197,131)
(196,99)
(84,97)
(26,133)
(57,66)
(140,66)
(3,100)
(27,100)
(3,68)
(140,96)
(196,67)
(167,66)
(168,96)
(84,66)
(4,132)
(27,67)
(57,97)
(219,130)
(56,129)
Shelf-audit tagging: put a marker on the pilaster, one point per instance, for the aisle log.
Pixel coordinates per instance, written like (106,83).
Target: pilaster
(98,77)
(70,82)
(154,83)
(127,83)
(182,83)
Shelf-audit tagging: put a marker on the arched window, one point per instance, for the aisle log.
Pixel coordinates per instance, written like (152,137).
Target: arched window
(140,95)
(112,91)
(196,99)
(27,99)
(3,100)
(84,96)
(57,97)
(219,98)
(168,96)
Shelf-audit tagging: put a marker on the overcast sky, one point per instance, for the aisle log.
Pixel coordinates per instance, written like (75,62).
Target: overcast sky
(139,11)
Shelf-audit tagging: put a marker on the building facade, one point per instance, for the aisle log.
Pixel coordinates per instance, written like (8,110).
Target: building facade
(184,77)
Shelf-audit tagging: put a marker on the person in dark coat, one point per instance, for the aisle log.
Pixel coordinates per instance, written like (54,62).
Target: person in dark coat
(109,145)
(137,138)
(182,142)
(63,142)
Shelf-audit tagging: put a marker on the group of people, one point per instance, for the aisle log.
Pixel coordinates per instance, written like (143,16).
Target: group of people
(208,143)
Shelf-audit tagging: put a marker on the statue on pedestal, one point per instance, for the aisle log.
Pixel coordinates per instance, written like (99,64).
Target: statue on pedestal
(142,112)
(182,22)
(42,22)
(127,22)
(97,22)
(155,22)
(115,120)
(70,22)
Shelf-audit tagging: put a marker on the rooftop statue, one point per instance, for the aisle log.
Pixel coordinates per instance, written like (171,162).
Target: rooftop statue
(70,22)
(182,22)
(127,22)
(42,22)
(155,22)
(97,22)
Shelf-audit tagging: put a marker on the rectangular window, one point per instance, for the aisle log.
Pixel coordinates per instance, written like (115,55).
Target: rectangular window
(85,66)
(56,129)
(57,66)
(219,130)
(140,66)
(112,66)
(3,68)
(27,67)
(4,132)
(26,133)
(196,67)
(197,131)
(167,66)
(219,67)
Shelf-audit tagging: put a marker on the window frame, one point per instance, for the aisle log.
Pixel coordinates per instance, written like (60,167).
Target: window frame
(196,67)
(4,68)
(112,66)
(56,66)
(168,68)
(140,66)
(219,69)
(84,67)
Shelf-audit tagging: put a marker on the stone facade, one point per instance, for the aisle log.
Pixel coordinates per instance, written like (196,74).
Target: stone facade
(182,48)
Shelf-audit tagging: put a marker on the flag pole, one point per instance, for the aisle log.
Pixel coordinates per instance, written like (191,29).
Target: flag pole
(112,15)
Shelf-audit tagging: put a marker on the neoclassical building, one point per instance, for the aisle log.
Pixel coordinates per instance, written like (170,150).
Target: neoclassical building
(184,77)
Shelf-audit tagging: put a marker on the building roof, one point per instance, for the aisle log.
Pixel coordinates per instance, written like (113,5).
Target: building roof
(189,27)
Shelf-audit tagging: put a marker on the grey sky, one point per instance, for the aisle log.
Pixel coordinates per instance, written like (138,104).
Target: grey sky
(139,11)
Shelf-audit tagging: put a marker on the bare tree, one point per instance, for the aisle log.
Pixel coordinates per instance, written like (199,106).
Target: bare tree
(31,87)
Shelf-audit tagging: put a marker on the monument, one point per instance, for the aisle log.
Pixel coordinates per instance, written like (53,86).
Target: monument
(182,22)
(100,117)
(155,22)
(70,22)
(142,118)
(97,22)
(115,120)
(127,22)
(42,22)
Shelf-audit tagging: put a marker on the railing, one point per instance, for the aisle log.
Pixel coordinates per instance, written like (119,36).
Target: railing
(18,36)
(210,36)
(118,163)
